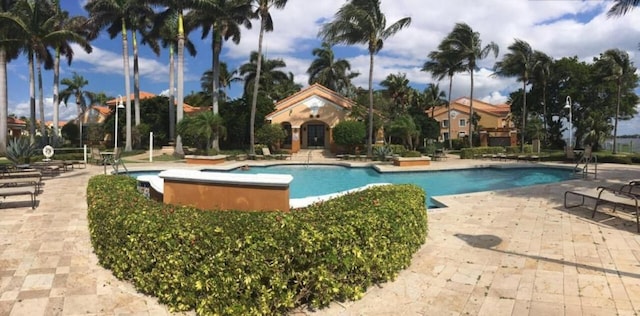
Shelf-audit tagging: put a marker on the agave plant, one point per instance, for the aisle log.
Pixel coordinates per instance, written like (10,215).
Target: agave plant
(20,150)
(382,152)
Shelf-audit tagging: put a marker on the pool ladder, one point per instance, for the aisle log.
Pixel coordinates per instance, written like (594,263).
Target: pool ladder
(308,158)
(582,166)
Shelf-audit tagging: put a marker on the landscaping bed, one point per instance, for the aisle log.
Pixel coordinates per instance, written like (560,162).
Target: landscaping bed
(255,263)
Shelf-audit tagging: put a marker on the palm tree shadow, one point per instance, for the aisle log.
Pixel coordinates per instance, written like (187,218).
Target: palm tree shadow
(490,241)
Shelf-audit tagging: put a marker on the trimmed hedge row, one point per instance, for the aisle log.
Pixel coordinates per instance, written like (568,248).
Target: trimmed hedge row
(255,263)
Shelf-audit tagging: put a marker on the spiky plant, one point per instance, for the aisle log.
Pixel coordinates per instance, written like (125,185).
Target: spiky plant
(20,150)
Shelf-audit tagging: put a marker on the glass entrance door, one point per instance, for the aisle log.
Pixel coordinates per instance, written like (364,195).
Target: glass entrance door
(315,136)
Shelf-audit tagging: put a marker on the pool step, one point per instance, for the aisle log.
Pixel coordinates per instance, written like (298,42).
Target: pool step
(311,155)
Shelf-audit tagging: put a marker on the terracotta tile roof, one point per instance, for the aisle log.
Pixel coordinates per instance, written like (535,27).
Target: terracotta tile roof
(498,109)
(188,109)
(16,121)
(314,89)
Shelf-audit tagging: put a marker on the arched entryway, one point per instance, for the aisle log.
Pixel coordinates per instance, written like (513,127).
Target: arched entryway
(314,134)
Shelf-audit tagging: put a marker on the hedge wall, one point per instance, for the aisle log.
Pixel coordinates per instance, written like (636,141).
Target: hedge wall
(255,263)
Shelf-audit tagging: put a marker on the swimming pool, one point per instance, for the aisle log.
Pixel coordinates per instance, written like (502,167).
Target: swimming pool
(317,180)
(325,179)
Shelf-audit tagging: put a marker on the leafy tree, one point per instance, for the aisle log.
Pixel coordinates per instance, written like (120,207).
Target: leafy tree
(362,22)
(621,7)
(405,129)
(349,133)
(271,135)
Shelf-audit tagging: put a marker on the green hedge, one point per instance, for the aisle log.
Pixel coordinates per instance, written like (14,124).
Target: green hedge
(255,263)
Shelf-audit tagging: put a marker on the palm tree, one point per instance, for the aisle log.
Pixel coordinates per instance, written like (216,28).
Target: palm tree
(621,7)
(205,124)
(619,68)
(226,78)
(8,52)
(178,6)
(77,28)
(75,88)
(398,89)
(542,71)
(271,75)
(434,97)
(518,62)
(466,43)
(262,11)
(140,17)
(223,19)
(166,31)
(113,15)
(442,64)
(362,22)
(330,72)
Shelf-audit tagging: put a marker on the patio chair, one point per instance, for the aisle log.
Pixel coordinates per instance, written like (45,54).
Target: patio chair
(96,157)
(606,195)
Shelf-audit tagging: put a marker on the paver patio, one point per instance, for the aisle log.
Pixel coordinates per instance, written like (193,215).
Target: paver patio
(510,252)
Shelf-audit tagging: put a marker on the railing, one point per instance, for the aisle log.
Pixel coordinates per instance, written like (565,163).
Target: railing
(583,165)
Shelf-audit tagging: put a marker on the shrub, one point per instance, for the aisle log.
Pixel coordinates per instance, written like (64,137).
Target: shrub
(398,149)
(20,151)
(271,135)
(349,133)
(382,152)
(411,153)
(255,263)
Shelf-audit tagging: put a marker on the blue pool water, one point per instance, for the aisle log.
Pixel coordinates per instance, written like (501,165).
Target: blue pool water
(325,179)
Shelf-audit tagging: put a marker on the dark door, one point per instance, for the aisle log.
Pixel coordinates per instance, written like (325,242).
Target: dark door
(315,136)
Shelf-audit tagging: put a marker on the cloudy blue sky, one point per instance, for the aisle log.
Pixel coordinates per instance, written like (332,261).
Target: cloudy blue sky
(557,27)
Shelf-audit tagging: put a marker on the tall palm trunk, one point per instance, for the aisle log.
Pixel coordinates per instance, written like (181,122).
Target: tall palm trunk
(615,124)
(217,48)
(544,109)
(136,78)
(449,111)
(370,137)
(32,99)
(43,127)
(180,110)
(524,114)
(172,98)
(256,86)
(470,113)
(56,95)
(127,85)
(4,101)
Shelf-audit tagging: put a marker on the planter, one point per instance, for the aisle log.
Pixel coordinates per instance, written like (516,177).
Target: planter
(411,162)
(205,160)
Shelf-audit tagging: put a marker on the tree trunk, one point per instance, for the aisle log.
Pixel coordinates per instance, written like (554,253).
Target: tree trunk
(32,99)
(43,127)
(4,101)
(127,86)
(217,48)
(615,124)
(370,137)
(180,102)
(256,86)
(471,113)
(56,96)
(172,99)
(524,114)
(449,111)
(136,79)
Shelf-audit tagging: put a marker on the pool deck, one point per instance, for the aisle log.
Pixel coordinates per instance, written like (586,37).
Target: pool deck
(507,252)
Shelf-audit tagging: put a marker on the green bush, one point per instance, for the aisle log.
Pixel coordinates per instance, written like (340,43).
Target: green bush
(349,133)
(398,149)
(271,135)
(468,153)
(255,263)
(610,158)
(411,153)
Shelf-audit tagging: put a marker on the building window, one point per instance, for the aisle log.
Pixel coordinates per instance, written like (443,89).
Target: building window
(463,122)
(445,123)
(446,136)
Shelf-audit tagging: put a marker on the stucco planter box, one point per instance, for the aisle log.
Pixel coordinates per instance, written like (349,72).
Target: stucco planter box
(411,161)
(205,160)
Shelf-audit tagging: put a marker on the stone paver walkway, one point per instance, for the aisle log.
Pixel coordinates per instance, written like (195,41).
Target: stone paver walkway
(511,252)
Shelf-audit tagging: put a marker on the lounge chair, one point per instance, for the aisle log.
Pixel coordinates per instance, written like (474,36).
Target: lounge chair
(606,195)
(13,191)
